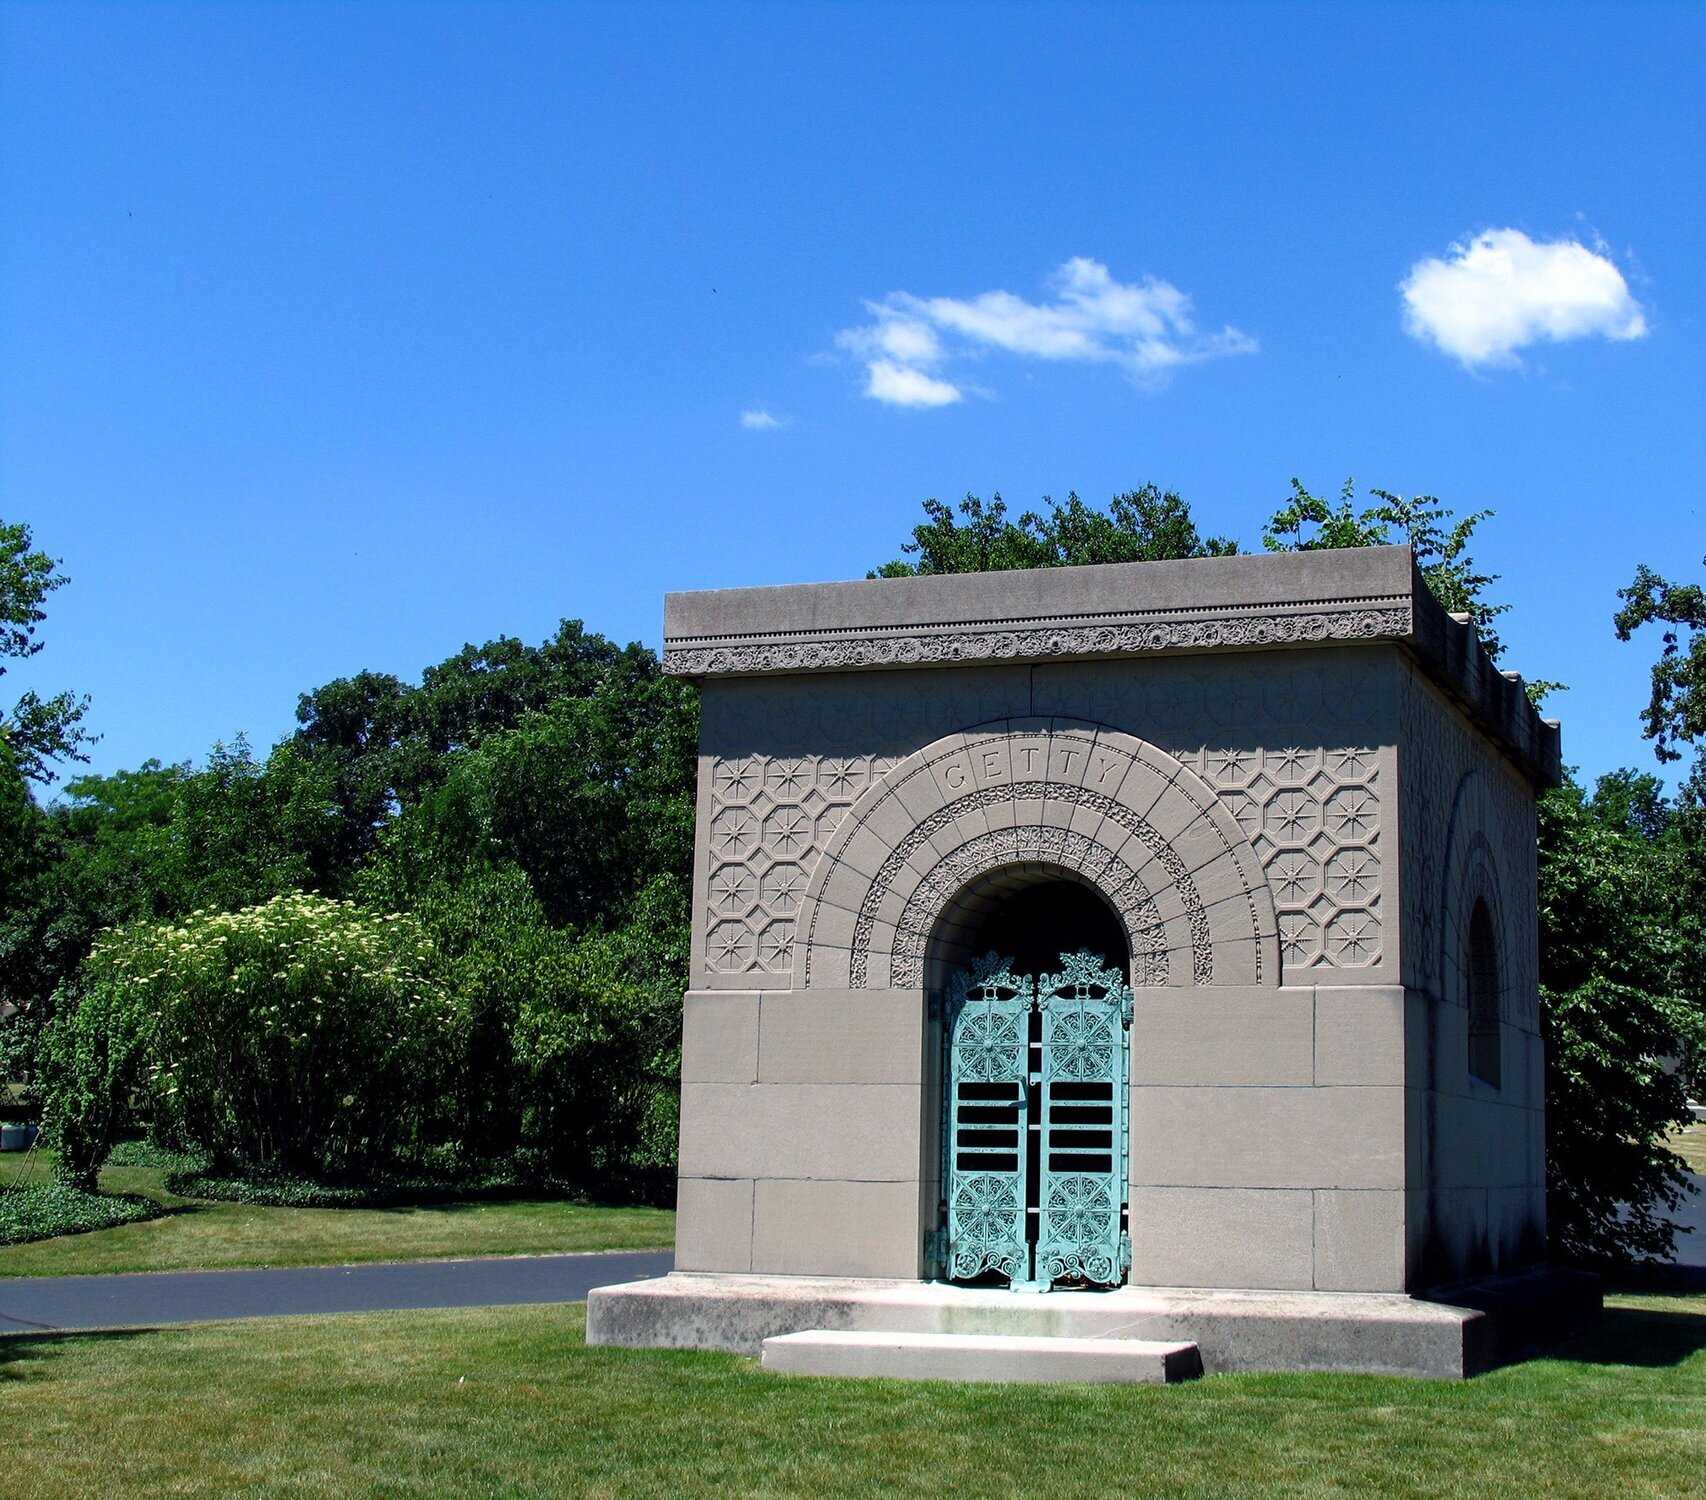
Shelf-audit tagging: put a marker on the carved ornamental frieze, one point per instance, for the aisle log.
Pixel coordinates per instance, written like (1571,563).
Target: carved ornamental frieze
(841,650)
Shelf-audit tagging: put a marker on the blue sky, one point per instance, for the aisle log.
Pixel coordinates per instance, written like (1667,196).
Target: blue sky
(334,337)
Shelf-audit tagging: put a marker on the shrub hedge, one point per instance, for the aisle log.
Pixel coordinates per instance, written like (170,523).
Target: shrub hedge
(147,1154)
(284,1191)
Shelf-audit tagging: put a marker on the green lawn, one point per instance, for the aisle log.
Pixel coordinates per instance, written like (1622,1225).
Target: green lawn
(205,1236)
(510,1402)
(1690,1145)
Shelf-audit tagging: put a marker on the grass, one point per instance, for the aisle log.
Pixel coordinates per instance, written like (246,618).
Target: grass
(510,1402)
(1690,1145)
(200,1235)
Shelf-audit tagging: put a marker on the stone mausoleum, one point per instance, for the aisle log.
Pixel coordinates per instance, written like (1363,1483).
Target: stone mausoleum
(1141,952)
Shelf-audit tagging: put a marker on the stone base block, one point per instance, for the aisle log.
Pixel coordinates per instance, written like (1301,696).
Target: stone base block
(1373,1332)
(1006,1359)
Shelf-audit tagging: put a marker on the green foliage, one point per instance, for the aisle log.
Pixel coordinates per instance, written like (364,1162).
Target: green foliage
(573,1035)
(146,1153)
(46,1209)
(1614,970)
(303,1034)
(154,844)
(387,745)
(1676,712)
(590,800)
(597,1045)
(1141,525)
(38,730)
(243,831)
(531,805)
(281,1190)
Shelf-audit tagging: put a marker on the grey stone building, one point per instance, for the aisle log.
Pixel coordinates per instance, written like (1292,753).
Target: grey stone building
(1261,827)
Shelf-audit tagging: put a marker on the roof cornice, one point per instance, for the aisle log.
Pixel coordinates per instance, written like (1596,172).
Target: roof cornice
(1259,601)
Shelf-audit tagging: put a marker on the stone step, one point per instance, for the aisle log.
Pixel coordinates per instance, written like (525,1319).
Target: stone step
(1006,1358)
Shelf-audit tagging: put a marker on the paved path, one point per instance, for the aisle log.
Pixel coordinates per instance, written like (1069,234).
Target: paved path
(44,1304)
(1691,1248)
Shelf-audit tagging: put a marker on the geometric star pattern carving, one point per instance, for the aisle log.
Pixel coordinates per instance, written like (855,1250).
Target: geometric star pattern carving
(1313,815)
(770,815)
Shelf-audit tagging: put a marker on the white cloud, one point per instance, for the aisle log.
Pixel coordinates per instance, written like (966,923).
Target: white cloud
(1503,291)
(759,419)
(1144,327)
(900,386)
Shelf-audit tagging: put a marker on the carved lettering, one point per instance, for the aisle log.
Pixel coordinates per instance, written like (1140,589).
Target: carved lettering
(991,764)
(955,775)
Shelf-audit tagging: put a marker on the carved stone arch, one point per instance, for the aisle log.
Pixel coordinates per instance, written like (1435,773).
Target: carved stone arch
(1471,874)
(1122,815)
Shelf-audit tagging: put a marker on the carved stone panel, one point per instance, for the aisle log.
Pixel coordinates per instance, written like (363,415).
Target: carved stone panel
(1313,815)
(1296,749)
(770,817)
(1102,805)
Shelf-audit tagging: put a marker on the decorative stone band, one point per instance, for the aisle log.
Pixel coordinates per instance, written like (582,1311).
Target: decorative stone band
(841,650)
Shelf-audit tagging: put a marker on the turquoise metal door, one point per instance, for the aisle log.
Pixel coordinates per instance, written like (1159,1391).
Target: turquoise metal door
(1081,1230)
(1034,1124)
(987,1118)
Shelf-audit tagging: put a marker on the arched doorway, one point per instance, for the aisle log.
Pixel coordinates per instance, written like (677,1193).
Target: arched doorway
(1034,1000)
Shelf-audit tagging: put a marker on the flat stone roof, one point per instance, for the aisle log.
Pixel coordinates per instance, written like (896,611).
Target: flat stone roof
(1257,601)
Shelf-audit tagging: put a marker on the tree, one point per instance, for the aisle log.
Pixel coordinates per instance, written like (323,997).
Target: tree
(97,858)
(1614,1009)
(244,830)
(1142,525)
(590,799)
(388,745)
(1676,713)
(38,730)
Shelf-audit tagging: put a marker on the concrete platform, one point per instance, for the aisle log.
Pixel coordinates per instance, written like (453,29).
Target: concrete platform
(1005,1359)
(1450,1336)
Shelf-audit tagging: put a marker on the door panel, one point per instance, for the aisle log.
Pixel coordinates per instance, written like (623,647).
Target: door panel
(1086,1010)
(988,1119)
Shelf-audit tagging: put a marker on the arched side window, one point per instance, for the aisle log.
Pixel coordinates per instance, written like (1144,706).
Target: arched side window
(1483,965)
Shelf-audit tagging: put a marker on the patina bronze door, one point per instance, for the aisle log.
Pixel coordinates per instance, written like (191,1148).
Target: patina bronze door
(1034,1124)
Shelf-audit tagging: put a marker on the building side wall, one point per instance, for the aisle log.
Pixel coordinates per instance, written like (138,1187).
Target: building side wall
(1466,822)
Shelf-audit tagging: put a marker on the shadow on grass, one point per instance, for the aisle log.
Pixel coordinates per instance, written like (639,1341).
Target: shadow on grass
(464,1205)
(16,1348)
(1640,1336)
(1636,1336)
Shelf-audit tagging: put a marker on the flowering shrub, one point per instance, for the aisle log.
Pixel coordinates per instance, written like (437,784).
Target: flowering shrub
(305,1035)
